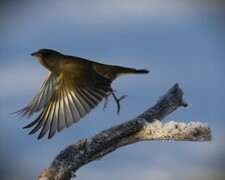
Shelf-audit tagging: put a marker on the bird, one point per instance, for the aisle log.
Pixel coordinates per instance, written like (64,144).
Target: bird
(73,87)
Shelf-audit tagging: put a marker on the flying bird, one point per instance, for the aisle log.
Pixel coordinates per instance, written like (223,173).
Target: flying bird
(73,87)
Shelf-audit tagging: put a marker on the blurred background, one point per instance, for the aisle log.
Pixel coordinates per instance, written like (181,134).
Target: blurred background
(178,41)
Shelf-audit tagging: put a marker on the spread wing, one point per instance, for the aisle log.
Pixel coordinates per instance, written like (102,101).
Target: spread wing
(42,98)
(71,99)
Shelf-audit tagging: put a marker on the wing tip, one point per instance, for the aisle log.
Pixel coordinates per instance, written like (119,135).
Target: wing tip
(21,112)
(40,136)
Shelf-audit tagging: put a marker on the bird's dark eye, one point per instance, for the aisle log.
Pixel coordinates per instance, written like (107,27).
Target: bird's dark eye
(46,54)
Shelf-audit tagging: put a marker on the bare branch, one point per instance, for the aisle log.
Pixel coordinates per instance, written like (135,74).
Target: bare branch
(144,127)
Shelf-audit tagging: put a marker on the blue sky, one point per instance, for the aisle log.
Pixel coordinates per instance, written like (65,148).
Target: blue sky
(180,42)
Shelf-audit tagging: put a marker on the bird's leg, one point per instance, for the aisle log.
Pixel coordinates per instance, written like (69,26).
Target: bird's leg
(118,101)
(106,101)
(115,98)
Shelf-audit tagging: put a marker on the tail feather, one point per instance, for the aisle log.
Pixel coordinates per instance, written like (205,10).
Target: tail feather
(133,71)
(124,71)
(112,72)
(141,71)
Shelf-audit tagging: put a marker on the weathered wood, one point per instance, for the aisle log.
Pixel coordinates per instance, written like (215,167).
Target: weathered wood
(141,128)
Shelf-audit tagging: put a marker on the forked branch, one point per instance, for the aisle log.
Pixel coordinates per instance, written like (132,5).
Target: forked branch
(146,126)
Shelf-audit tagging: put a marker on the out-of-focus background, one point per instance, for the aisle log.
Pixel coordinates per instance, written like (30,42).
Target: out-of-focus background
(179,41)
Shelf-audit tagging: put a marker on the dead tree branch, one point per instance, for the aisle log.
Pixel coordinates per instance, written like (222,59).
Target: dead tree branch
(146,126)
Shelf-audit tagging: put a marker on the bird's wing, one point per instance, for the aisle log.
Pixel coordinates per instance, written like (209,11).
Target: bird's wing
(42,98)
(70,102)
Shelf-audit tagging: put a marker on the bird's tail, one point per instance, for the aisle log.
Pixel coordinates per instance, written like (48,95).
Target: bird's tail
(112,72)
(139,71)
(123,71)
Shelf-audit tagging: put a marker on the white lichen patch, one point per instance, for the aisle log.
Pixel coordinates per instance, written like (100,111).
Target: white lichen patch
(193,131)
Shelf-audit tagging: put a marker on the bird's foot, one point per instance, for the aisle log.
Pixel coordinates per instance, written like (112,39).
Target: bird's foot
(106,102)
(115,98)
(118,101)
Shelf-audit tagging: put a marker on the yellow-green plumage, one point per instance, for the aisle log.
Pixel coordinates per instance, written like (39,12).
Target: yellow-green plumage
(72,89)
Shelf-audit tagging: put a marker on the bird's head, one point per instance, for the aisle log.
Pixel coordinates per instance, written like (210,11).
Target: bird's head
(48,58)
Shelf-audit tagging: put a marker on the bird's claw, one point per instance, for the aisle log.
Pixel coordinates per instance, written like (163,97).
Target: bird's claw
(118,101)
(122,97)
(106,102)
(115,98)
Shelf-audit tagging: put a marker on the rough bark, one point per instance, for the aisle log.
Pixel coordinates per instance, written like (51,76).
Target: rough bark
(146,126)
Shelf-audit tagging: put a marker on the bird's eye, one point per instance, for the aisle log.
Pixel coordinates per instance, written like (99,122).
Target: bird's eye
(46,54)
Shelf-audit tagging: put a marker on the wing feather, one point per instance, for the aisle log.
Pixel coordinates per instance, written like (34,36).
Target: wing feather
(61,120)
(91,103)
(83,103)
(47,121)
(54,120)
(65,103)
(42,98)
(76,113)
(67,110)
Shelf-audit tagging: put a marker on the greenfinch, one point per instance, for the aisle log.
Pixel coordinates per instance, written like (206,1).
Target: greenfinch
(73,87)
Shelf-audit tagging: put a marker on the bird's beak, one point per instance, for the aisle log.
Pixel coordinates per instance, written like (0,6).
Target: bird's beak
(36,54)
